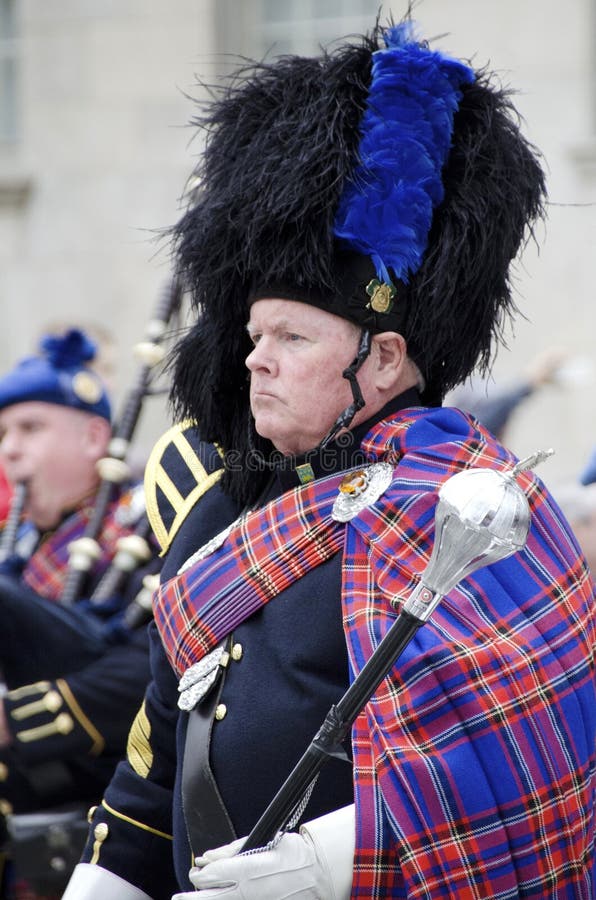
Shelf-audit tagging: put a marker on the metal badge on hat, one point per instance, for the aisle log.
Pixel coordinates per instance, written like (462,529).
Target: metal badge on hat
(360,489)
(87,387)
(381,295)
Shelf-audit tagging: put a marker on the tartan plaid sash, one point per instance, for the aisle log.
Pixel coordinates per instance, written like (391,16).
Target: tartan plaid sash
(264,552)
(46,569)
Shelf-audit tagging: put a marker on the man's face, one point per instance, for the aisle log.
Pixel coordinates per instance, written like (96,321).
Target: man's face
(47,446)
(296,385)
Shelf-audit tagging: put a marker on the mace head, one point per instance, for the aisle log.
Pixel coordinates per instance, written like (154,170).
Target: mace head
(482,516)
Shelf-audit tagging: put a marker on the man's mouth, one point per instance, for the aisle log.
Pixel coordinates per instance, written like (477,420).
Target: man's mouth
(262,392)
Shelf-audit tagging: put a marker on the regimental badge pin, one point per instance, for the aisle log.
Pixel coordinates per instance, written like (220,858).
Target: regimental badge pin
(381,295)
(200,678)
(305,473)
(87,387)
(210,547)
(360,489)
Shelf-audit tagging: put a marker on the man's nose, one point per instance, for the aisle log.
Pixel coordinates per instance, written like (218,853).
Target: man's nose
(261,358)
(9,445)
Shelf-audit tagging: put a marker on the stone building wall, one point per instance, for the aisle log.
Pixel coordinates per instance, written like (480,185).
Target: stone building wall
(103,153)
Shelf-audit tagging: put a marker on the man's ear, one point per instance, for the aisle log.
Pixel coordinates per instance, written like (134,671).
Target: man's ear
(98,434)
(390,357)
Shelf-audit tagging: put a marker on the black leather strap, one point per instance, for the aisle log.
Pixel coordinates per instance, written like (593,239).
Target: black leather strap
(207,821)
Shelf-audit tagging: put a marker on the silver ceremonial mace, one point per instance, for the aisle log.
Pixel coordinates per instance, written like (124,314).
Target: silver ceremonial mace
(482,516)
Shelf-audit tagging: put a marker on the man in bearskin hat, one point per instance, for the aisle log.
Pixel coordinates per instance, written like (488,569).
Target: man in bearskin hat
(348,248)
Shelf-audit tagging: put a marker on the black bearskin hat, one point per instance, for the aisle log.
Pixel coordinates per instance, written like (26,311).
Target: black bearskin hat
(378,166)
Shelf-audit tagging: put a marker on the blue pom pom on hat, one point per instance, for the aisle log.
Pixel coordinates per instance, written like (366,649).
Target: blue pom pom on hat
(58,374)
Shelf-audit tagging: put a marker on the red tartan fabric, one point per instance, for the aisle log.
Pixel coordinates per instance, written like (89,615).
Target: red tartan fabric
(45,571)
(474,762)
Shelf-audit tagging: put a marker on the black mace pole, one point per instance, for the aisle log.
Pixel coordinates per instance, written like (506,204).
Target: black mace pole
(482,516)
(332,732)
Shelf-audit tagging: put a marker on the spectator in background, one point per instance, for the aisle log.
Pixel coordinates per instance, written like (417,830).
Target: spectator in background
(578,502)
(588,474)
(493,405)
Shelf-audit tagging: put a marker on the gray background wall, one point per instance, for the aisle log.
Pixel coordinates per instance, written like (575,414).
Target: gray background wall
(100,153)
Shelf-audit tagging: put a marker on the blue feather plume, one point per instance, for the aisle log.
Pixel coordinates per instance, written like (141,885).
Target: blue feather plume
(386,209)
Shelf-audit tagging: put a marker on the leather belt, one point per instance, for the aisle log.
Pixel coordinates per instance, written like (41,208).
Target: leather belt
(207,821)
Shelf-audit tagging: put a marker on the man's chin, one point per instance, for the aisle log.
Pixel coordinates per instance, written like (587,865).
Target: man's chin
(284,440)
(281,444)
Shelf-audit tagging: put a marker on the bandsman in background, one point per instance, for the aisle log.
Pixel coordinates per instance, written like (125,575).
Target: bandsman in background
(348,250)
(74,674)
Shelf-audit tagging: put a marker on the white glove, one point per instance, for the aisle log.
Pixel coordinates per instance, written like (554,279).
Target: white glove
(89,882)
(315,864)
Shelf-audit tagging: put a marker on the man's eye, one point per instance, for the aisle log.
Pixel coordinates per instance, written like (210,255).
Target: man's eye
(255,338)
(290,336)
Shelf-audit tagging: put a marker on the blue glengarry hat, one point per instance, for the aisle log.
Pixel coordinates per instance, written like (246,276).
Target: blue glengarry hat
(383,181)
(58,374)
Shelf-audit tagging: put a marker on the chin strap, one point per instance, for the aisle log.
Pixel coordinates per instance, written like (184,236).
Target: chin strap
(345,418)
